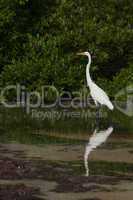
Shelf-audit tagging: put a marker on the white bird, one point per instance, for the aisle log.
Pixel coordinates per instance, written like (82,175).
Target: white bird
(97,138)
(98,95)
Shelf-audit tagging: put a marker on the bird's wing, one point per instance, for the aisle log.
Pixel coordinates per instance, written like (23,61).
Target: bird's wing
(98,91)
(99,137)
(100,96)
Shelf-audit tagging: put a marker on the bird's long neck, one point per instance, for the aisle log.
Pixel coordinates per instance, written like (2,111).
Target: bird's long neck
(89,80)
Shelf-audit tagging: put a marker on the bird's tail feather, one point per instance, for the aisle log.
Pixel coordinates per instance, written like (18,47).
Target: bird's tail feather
(110,105)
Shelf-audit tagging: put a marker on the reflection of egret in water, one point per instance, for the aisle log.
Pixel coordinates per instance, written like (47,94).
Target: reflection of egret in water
(95,140)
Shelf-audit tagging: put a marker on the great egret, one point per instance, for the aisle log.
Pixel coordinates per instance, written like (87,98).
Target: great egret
(97,138)
(98,95)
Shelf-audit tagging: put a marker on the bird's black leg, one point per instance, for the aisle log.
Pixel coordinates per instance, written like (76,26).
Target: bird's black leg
(98,111)
(97,115)
(97,122)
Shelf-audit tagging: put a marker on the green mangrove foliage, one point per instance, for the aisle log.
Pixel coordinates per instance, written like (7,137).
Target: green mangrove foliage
(40,39)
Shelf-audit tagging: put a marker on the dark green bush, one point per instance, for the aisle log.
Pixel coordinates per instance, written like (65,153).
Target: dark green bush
(40,39)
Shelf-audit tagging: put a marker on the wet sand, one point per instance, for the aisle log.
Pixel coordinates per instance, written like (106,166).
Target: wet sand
(57,172)
(66,152)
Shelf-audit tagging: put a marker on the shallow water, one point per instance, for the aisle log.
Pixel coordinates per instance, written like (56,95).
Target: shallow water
(72,159)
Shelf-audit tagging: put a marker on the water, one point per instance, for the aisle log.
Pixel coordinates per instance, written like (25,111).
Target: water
(71,158)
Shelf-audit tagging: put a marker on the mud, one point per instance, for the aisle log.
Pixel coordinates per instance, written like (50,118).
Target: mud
(18,192)
(25,174)
(62,173)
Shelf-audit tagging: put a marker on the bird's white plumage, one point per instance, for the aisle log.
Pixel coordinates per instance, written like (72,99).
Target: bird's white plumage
(97,138)
(98,95)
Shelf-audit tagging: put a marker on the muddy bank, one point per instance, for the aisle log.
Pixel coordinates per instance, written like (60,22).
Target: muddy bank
(68,175)
(28,176)
(18,192)
(25,177)
(116,152)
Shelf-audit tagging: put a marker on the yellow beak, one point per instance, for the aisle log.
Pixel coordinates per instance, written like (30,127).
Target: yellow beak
(82,53)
